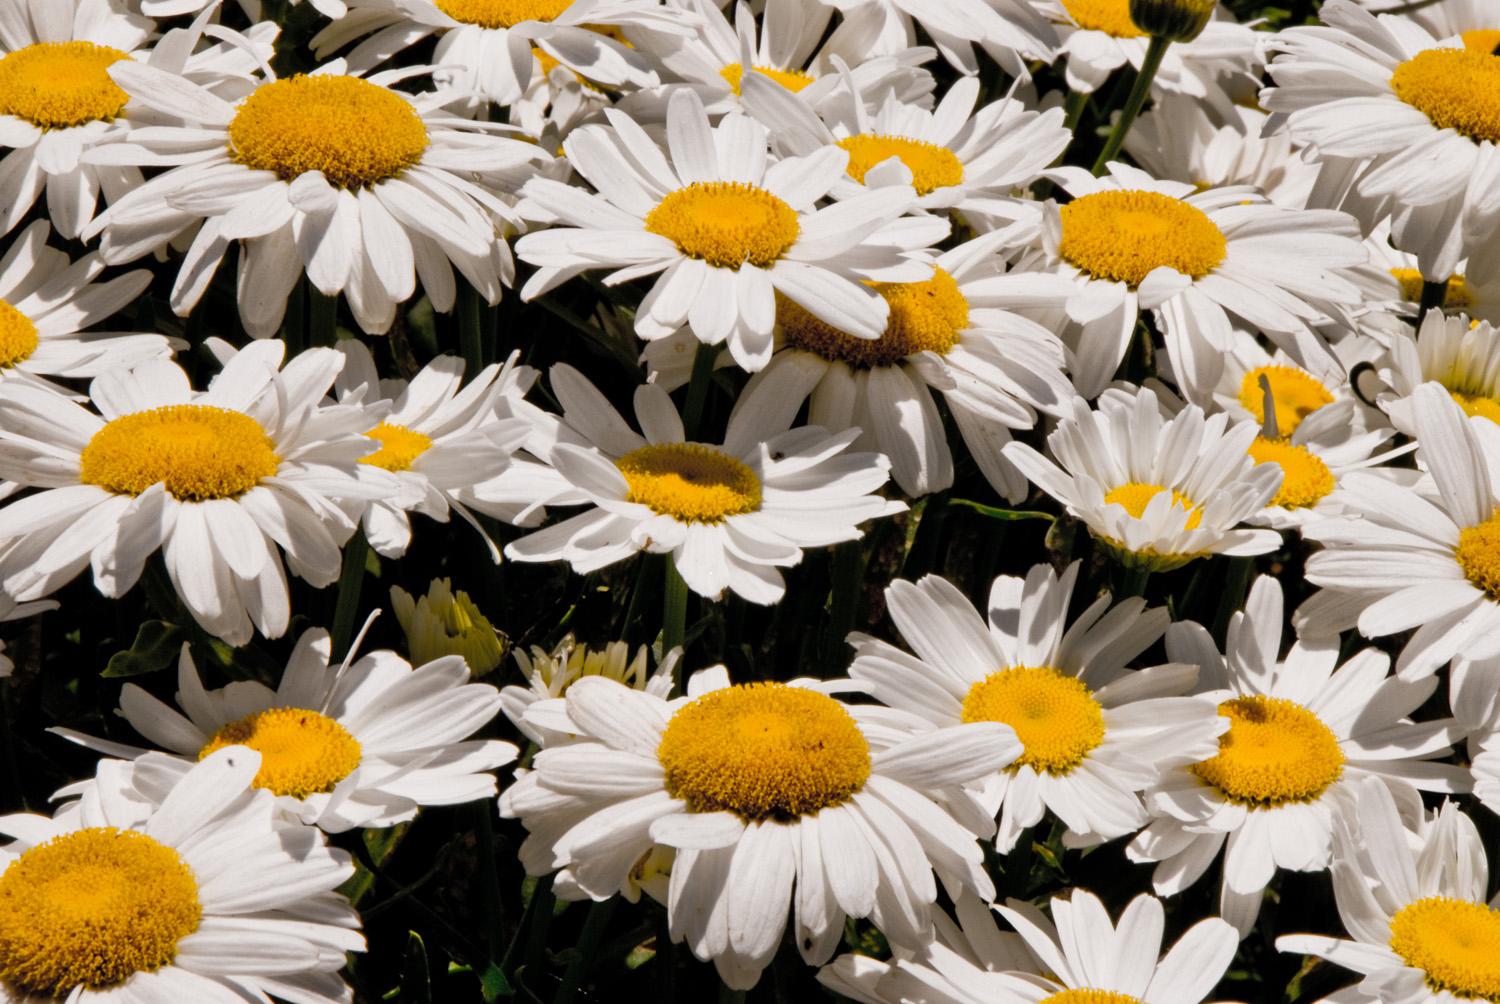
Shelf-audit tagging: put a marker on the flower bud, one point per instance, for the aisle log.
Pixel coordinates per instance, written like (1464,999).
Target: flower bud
(441,623)
(1175,20)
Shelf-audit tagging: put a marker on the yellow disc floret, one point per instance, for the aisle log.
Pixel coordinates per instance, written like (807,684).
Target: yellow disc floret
(200,452)
(689,481)
(1478,554)
(1109,16)
(357,133)
(1275,752)
(1478,405)
(726,223)
(399,447)
(58,85)
(1456,944)
(502,13)
(932,167)
(1085,996)
(1455,88)
(925,317)
(1136,495)
(18,336)
(1297,395)
(301,752)
(91,909)
(1305,478)
(792,80)
(1055,716)
(1456,298)
(763,751)
(1121,235)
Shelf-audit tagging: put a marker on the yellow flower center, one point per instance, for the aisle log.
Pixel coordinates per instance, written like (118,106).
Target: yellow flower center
(1121,235)
(357,133)
(57,85)
(1136,495)
(1296,395)
(1455,88)
(399,447)
(502,13)
(1089,997)
(931,166)
(1478,405)
(301,752)
(1457,297)
(1305,478)
(1109,16)
(792,80)
(1456,944)
(1478,554)
(200,452)
(1482,39)
(726,223)
(18,336)
(1055,716)
(763,751)
(1276,751)
(690,482)
(91,909)
(925,317)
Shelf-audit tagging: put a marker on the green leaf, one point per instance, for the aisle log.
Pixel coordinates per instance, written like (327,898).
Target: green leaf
(494,985)
(157,645)
(1003,514)
(416,986)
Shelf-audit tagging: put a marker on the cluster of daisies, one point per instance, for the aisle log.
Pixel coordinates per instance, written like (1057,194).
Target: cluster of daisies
(793,273)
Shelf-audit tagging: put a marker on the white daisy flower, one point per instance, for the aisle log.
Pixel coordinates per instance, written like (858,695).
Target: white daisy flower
(994,368)
(45,303)
(155,889)
(1297,393)
(1463,295)
(1095,733)
(1426,557)
(1086,957)
(1197,260)
(361,744)
(1404,120)
(549,674)
(363,187)
(1460,355)
(1155,492)
(728,514)
(1413,904)
(215,480)
(727,229)
(1011,32)
(1486,768)
(1301,734)
(817,805)
(171,8)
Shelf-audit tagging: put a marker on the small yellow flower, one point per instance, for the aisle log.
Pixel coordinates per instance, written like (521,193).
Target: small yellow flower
(442,623)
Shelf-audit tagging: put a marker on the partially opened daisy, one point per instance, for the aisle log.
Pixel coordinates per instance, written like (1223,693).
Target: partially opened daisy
(46,301)
(728,514)
(1155,492)
(153,889)
(727,228)
(220,481)
(1426,557)
(1086,957)
(363,187)
(1094,733)
(1302,734)
(1414,905)
(1460,355)
(549,674)
(776,798)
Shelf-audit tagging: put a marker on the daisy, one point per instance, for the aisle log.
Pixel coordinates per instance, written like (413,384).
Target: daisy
(994,369)
(727,230)
(1197,260)
(1095,733)
(549,674)
(215,480)
(773,795)
(361,186)
(1086,957)
(1155,492)
(728,515)
(58,104)
(171,8)
(1486,769)
(1414,905)
(1405,119)
(1302,734)
(1011,32)
(140,892)
(1423,557)
(1462,295)
(1461,356)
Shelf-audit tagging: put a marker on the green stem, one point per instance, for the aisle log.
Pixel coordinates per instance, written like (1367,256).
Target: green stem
(728,996)
(323,324)
(1134,583)
(674,615)
(1236,580)
(540,908)
(15,797)
(489,876)
(844,591)
(1133,104)
(470,344)
(1434,296)
(588,945)
(1073,106)
(351,578)
(703,369)
(294,324)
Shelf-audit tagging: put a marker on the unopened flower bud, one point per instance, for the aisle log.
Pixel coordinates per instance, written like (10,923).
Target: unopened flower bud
(441,623)
(1176,20)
